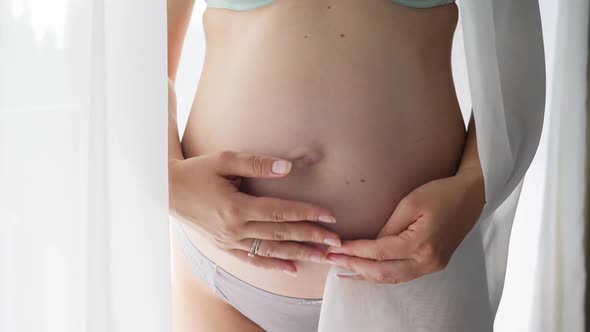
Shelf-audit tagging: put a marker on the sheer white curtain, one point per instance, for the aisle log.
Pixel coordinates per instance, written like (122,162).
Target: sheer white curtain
(545,281)
(83,178)
(83,206)
(560,274)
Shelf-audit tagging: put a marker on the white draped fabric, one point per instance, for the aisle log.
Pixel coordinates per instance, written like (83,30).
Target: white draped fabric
(83,166)
(560,275)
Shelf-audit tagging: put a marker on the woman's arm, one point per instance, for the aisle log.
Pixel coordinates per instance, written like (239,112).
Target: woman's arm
(174,147)
(179,15)
(470,166)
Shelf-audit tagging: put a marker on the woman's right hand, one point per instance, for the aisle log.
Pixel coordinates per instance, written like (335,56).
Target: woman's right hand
(204,191)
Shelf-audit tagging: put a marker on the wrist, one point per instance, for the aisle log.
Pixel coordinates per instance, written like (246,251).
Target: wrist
(172,161)
(173,165)
(473,172)
(473,182)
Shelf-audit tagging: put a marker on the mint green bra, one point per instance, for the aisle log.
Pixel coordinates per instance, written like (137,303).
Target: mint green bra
(252,4)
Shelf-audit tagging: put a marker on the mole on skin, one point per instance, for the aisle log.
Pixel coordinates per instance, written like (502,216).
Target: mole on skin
(363,180)
(341,35)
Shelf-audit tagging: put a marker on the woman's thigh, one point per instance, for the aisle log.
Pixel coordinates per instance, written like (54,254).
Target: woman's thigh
(196,308)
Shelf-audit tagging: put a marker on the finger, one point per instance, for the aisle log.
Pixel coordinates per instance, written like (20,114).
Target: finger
(277,209)
(231,163)
(404,214)
(384,248)
(269,263)
(392,271)
(285,250)
(290,231)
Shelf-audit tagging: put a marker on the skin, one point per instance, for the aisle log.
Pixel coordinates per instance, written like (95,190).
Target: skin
(369,125)
(416,239)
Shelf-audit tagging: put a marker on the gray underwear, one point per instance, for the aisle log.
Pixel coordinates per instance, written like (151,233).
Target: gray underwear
(272,312)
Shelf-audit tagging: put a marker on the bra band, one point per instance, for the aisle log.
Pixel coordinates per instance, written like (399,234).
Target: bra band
(253,4)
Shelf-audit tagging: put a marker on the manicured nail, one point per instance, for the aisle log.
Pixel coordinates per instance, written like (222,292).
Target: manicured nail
(332,242)
(333,249)
(346,276)
(329,219)
(291,273)
(281,166)
(316,258)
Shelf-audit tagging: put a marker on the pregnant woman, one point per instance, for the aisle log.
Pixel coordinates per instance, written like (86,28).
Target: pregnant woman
(317,124)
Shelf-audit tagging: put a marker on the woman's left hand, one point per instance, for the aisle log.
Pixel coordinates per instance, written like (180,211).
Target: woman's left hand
(422,234)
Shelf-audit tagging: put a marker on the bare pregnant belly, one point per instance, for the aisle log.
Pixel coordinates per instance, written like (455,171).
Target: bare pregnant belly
(359,96)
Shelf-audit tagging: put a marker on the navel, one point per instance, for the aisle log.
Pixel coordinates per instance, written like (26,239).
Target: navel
(305,156)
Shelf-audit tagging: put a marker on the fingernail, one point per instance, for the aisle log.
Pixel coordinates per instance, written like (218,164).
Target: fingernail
(329,219)
(332,242)
(346,276)
(281,166)
(317,258)
(291,273)
(333,249)
(330,261)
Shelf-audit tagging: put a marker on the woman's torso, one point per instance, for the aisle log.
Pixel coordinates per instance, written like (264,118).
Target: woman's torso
(359,94)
